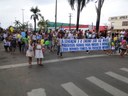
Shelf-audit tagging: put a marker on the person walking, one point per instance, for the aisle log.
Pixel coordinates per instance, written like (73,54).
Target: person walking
(38,53)
(123,47)
(30,53)
(59,53)
(6,45)
(13,45)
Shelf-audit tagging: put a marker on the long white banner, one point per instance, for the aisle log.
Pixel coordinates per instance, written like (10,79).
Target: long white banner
(68,45)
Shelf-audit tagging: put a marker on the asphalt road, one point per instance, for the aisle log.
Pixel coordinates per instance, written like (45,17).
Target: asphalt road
(94,76)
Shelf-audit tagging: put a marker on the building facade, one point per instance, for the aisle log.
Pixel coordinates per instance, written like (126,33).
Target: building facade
(119,22)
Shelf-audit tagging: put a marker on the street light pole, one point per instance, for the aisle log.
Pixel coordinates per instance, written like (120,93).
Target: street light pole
(23,16)
(27,25)
(56,15)
(70,16)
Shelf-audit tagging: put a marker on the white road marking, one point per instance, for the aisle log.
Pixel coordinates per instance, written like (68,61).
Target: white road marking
(37,92)
(73,90)
(124,69)
(49,61)
(119,77)
(110,89)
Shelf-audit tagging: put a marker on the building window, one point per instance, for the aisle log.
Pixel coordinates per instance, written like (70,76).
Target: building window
(123,17)
(125,23)
(113,18)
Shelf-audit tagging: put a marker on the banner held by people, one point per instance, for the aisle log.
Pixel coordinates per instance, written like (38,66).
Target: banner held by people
(68,45)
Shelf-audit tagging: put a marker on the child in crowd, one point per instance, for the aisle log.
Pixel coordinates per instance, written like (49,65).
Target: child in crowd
(38,53)
(30,53)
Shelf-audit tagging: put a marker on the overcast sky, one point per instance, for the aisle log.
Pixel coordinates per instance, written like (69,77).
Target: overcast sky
(11,10)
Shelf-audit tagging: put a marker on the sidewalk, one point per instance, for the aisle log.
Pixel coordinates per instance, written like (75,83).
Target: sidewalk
(7,58)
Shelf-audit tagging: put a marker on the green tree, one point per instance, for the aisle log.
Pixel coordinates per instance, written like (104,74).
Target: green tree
(35,15)
(43,24)
(17,24)
(24,26)
(20,26)
(80,5)
(98,11)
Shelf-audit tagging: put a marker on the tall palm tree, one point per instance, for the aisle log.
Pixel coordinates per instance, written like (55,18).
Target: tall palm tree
(98,11)
(80,5)
(35,15)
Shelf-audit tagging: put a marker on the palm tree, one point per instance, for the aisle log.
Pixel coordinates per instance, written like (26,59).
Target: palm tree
(98,11)
(17,24)
(80,6)
(43,23)
(35,15)
(24,26)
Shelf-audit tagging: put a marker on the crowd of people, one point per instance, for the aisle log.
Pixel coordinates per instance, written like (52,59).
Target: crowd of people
(34,44)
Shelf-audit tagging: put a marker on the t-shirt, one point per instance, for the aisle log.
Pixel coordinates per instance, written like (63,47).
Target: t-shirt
(115,38)
(122,33)
(5,43)
(124,44)
(70,36)
(58,41)
(34,37)
(5,35)
(39,37)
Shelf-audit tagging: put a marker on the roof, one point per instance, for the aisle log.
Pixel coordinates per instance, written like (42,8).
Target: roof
(52,24)
(80,26)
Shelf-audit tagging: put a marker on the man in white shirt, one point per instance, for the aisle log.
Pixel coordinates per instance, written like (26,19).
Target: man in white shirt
(70,35)
(122,33)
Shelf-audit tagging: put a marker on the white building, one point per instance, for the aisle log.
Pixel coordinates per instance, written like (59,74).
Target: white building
(119,22)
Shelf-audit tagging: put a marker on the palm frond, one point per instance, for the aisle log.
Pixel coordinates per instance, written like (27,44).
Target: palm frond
(32,9)
(47,21)
(37,10)
(72,3)
(32,16)
(40,15)
(83,3)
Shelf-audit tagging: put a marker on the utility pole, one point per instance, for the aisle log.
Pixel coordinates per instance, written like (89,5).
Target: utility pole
(70,17)
(23,16)
(92,26)
(56,15)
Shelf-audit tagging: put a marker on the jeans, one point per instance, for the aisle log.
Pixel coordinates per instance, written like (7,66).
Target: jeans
(59,51)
